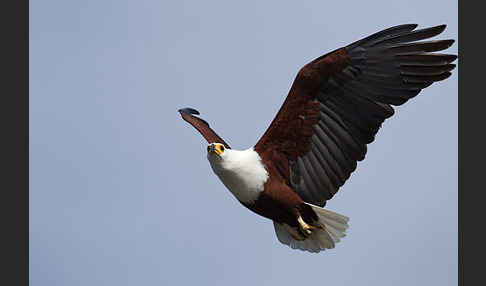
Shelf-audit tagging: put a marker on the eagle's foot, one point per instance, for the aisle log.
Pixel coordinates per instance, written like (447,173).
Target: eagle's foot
(304,227)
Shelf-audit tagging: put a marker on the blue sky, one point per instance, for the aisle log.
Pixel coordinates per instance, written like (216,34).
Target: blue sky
(121,192)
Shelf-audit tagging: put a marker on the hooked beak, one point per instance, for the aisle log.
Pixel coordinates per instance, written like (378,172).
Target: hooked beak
(211,148)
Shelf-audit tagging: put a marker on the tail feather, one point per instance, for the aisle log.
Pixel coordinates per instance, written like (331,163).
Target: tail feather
(337,226)
(335,234)
(334,229)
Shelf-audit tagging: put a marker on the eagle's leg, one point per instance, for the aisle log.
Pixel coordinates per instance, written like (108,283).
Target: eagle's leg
(304,227)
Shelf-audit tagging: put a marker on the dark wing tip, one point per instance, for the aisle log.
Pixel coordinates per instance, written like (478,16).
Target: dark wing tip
(189,110)
(409,26)
(449,42)
(192,112)
(438,29)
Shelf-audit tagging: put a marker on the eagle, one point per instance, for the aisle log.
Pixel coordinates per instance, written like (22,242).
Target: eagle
(335,107)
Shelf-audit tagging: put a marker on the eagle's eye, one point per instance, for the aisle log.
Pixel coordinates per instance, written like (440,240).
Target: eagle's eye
(221,147)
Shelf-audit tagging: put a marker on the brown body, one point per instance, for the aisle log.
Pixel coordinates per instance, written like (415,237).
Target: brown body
(279,203)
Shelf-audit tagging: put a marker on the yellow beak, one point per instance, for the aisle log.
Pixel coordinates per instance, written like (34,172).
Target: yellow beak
(216,148)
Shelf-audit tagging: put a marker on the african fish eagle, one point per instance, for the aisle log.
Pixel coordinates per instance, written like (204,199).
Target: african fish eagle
(334,108)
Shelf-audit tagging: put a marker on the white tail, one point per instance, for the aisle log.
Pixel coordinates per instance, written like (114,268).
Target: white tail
(335,226)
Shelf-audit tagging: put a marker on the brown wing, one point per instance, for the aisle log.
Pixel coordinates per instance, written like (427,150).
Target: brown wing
(338,102)
(201,125)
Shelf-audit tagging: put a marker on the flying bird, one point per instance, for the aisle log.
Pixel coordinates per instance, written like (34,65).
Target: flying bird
(335,107)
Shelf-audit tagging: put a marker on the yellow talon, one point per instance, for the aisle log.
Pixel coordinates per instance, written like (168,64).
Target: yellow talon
(306,229)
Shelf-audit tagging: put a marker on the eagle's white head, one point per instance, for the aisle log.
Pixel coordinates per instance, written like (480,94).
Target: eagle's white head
(241,171)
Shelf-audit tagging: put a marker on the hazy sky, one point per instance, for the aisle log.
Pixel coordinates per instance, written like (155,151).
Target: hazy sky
(121,192)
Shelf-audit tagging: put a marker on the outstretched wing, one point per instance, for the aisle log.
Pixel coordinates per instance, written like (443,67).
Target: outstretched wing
(338,102)
(201,125)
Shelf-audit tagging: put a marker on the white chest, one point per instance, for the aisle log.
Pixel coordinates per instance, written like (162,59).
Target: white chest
(242,172)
